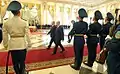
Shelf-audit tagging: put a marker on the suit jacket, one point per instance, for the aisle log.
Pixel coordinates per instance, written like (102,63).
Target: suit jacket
(59,34)
(52,31)
(16,34)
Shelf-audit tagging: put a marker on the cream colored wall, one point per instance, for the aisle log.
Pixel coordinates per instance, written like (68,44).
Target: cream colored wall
(104,8)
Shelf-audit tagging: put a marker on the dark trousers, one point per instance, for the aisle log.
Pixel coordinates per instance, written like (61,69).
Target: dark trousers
(51,41)
(0,35)
(102,41)
(18,59)
(78,50)
(58,43)
(91,52)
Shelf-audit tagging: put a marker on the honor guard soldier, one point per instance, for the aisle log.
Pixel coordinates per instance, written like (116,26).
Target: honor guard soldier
(92,40)
(15,34)
(104,38)
(105,29)
(79,30)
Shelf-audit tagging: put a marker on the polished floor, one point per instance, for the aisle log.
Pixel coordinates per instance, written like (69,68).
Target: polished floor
(40,39)
(57,70)
(66,70)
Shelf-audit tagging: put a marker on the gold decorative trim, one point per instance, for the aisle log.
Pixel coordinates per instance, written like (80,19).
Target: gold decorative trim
(42,65)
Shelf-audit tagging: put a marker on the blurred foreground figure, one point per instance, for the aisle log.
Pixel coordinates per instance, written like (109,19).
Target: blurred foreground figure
(17,29)
(113,59)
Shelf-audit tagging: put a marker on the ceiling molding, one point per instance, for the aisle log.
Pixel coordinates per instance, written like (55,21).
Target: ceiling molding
(85,3)
(111,2)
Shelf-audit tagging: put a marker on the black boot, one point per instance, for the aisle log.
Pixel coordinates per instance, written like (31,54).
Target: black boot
(86,63)
(74,67)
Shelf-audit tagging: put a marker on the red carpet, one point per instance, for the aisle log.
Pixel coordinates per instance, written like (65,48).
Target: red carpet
(43,55)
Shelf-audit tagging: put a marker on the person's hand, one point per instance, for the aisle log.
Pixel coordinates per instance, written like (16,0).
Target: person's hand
(105,49)
(108,37)
(29,45)
(85,36)
(69,41)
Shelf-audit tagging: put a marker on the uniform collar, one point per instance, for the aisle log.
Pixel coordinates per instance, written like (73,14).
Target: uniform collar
(16,17)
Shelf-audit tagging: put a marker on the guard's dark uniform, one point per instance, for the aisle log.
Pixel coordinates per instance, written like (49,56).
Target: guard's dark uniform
(0,33)
(105,29)
(79,29)
(52,35)
(113,59)
(92,39)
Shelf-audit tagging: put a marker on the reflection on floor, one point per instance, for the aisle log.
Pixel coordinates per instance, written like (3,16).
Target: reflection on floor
(65,70)
(41,39)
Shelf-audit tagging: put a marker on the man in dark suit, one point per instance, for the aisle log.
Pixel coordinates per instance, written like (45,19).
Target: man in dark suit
(59,35)
(92,39)
(70,36)
(79,29)
(105,29)
(52,34)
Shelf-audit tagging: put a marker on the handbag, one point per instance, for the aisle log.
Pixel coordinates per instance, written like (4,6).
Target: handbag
(103,55)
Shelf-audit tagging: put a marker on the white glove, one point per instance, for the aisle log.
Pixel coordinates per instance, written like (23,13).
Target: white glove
(108,37)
